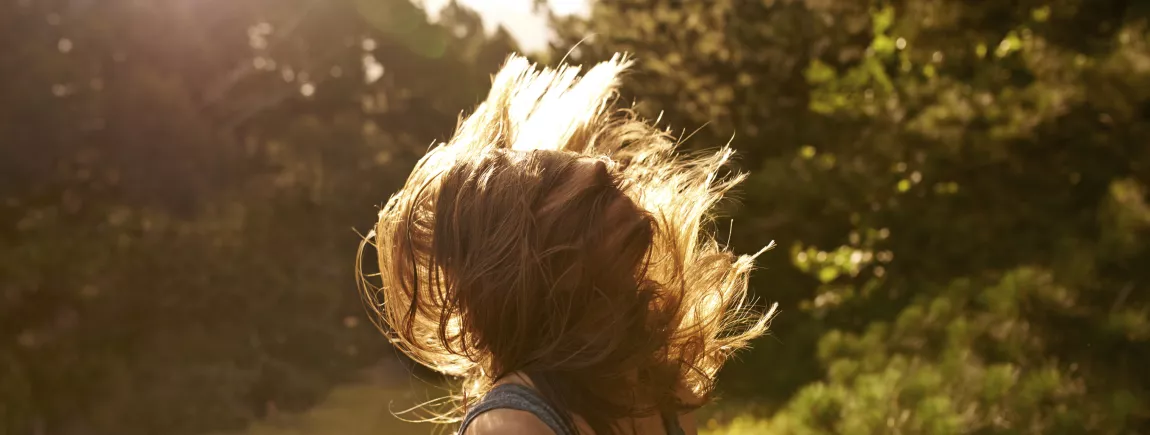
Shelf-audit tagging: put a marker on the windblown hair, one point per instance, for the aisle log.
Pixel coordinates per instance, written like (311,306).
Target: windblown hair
(610,294)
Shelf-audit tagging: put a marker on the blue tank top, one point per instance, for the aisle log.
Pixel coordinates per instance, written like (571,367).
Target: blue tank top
(521,398)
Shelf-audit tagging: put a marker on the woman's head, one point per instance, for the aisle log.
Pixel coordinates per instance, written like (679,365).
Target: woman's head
(556,237)
(527,248)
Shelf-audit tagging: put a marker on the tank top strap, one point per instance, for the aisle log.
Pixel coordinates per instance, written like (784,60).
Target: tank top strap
(520,398)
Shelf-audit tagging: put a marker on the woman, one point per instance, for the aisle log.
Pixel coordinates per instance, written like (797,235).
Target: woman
(552,256)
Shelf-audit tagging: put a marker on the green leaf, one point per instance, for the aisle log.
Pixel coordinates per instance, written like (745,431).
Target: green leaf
(883,18)
(818,72)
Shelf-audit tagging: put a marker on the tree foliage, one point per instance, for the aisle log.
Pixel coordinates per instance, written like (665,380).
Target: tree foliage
(180,184)
(963,188)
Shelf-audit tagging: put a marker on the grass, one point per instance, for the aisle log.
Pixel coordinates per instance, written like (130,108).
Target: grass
(365,407)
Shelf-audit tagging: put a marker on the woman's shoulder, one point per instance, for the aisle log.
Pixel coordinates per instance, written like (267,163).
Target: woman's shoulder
(505,421)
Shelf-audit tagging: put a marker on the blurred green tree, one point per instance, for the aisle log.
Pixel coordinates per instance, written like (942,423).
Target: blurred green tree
(963,188)
(179,184)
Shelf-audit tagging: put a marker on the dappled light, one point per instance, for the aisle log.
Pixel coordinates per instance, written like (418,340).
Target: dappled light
(960,193)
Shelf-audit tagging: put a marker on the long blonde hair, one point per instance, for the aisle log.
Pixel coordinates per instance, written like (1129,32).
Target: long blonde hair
(484,270)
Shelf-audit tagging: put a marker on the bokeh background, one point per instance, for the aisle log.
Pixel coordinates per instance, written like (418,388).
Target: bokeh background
(959,189)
